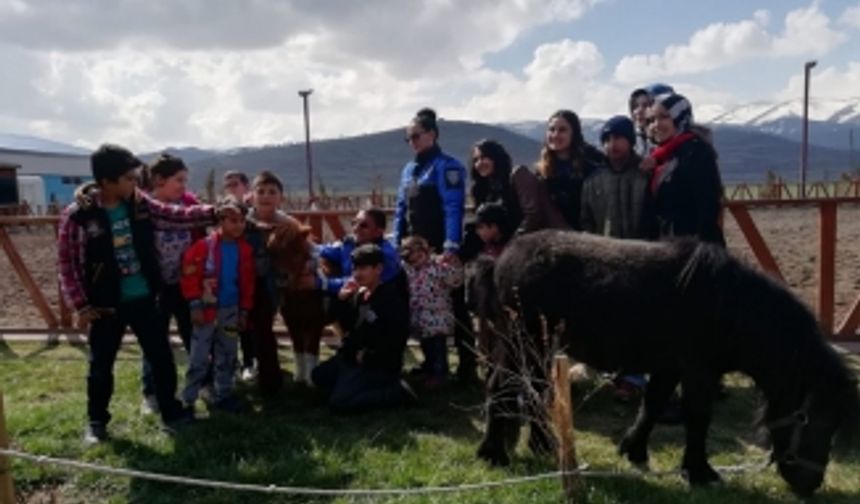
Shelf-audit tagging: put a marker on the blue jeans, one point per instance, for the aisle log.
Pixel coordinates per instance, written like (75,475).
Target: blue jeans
(221,340)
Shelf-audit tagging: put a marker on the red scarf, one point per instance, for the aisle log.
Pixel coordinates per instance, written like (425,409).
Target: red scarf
(663,153)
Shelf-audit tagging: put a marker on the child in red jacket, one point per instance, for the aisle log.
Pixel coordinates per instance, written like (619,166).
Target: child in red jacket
(218,281)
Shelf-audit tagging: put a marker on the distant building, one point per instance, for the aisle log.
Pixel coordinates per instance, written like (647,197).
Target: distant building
(47,172)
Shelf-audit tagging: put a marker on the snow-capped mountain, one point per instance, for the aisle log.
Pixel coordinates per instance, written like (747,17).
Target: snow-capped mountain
(844,111)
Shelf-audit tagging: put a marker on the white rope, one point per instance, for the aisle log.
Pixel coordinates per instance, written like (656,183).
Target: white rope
(381,492)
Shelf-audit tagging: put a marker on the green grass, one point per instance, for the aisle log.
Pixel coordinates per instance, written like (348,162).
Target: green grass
(293,440)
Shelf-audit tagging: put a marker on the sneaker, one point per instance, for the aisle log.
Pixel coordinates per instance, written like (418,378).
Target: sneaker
(149,405)
(95,433)
(249,374)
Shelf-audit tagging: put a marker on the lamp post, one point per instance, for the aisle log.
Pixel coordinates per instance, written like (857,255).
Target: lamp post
(804,148)
(305,94)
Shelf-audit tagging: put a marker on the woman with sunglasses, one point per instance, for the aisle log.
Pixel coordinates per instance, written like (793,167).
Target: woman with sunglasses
(686,182)
(430,204)
(431,198)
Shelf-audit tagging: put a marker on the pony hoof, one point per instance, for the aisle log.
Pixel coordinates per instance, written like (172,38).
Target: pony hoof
(493,456)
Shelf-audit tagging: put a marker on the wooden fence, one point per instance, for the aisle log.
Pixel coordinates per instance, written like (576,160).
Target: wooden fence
(329,225)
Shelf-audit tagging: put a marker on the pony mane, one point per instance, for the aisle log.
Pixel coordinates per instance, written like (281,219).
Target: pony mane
(289,243)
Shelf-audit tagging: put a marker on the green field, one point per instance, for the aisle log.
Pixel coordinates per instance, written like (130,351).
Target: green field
(293,440)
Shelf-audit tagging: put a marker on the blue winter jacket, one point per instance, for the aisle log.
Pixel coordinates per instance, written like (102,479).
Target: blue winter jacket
(431,199)
(339,254)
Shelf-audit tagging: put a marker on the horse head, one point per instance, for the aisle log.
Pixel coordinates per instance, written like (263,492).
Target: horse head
(291,248)
(803,437)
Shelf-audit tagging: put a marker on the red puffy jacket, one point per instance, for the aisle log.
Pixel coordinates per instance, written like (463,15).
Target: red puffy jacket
(201,267)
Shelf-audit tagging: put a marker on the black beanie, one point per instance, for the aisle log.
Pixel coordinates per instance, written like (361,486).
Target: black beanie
(621,126)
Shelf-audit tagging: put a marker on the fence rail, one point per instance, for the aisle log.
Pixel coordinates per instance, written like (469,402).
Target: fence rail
(330,225)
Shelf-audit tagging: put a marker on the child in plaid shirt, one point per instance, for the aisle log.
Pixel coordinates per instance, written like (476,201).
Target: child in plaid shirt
(109,273)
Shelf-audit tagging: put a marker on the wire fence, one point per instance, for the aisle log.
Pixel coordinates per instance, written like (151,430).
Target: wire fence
(583,472)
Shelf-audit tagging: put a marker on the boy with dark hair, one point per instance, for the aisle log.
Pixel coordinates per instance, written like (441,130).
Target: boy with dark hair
(365,372)
(109,273)
(218,281)
(260,342)
(616,201)
(236,183)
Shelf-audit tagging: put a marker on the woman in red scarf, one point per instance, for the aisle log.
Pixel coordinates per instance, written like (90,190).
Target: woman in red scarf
(686,182)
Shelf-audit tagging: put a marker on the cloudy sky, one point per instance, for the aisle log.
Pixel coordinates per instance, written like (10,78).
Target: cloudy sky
(220,73)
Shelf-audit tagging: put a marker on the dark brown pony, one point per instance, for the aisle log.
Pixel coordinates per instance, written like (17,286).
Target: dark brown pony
(683,312)
(291,248)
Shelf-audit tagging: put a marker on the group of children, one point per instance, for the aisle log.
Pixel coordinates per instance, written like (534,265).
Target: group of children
(134,251)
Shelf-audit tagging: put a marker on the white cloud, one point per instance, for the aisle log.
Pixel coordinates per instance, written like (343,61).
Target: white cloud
(218,73)
(562,74)
(851,17)
(806,31)
(828,82)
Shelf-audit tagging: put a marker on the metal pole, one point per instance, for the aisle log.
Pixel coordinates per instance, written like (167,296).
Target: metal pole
(804,149)
(305,94)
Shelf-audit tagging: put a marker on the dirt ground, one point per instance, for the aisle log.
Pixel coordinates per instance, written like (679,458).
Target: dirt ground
(792,235)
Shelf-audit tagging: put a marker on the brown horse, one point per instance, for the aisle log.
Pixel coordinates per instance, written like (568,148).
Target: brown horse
(301,305)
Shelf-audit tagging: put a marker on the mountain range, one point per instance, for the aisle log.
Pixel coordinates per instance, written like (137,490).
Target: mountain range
(751,140)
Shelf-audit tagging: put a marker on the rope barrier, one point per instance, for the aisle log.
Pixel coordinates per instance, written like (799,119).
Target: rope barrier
(380,492)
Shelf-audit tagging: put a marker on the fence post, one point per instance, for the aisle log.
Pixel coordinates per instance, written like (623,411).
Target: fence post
(7,489)
(562,417)
(27,279)
(826,265)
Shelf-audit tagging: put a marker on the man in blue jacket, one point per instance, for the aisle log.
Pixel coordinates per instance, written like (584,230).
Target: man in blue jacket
(368,226)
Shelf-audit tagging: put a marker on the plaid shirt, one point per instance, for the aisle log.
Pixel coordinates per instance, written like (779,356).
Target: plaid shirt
(73,238)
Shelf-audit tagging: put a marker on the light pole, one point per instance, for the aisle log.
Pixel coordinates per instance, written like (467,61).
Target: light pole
(305,94)
(804,148)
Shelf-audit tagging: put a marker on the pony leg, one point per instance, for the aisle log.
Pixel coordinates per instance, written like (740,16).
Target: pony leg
(659,390)
(697,398)
(503,387)
(502,427)
(538,393)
